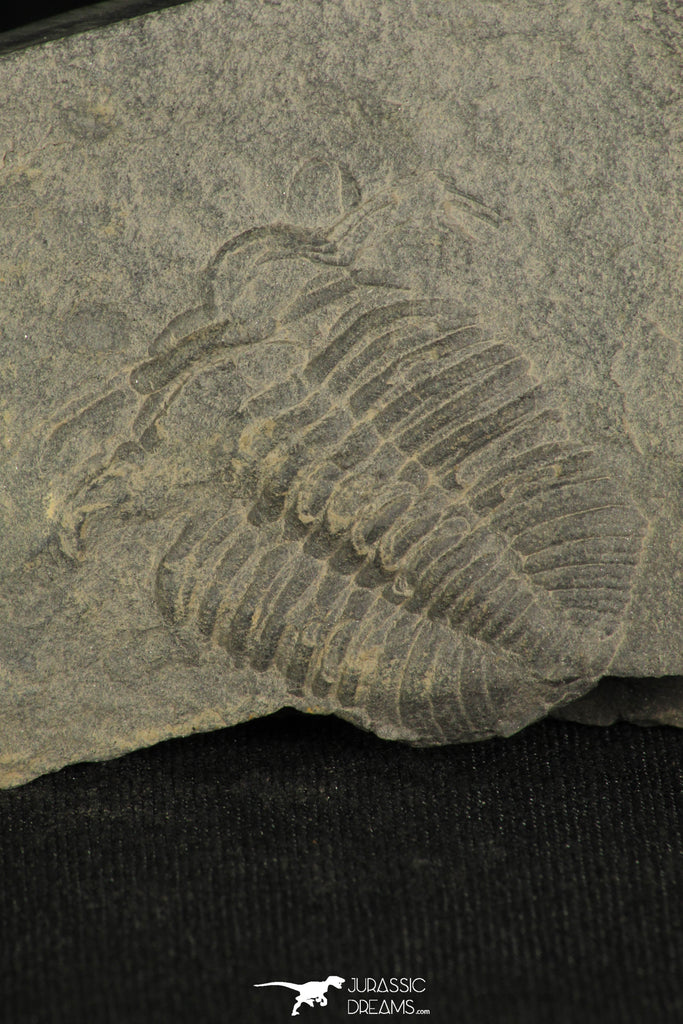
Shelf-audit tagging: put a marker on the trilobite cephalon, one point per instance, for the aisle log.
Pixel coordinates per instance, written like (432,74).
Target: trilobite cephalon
(398,525)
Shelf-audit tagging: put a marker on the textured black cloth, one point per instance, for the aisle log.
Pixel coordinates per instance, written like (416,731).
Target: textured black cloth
(33,22)
(533,879)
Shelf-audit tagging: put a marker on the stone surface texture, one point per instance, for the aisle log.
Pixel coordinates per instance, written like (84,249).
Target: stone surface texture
(340,368)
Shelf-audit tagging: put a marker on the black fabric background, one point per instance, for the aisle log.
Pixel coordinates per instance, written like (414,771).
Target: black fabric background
(538,878)
(32,22)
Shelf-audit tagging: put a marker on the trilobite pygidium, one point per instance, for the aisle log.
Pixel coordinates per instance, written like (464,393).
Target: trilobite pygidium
(397,524)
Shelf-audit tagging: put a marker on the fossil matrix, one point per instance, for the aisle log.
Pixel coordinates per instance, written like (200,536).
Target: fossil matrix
(347,379)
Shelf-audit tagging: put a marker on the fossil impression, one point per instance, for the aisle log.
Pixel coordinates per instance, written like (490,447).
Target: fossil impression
(333,482)
(399,526)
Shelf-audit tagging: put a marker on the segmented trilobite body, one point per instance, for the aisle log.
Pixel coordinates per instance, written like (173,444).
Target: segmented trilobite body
(404,529)
(412,521)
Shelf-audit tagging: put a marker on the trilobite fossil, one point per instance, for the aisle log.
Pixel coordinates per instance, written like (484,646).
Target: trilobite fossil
(397,522)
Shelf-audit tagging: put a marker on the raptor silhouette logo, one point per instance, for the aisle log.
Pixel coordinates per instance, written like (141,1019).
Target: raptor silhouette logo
(311,993)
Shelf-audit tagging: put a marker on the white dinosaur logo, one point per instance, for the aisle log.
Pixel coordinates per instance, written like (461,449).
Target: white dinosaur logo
(310,993)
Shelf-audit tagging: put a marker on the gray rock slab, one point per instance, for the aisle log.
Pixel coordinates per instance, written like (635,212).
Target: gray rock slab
(642,701)
(340,368)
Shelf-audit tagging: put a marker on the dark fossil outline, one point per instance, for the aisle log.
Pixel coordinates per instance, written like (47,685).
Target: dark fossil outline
(404,530)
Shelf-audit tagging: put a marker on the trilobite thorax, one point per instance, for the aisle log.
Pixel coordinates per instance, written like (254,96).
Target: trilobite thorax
(401,526)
